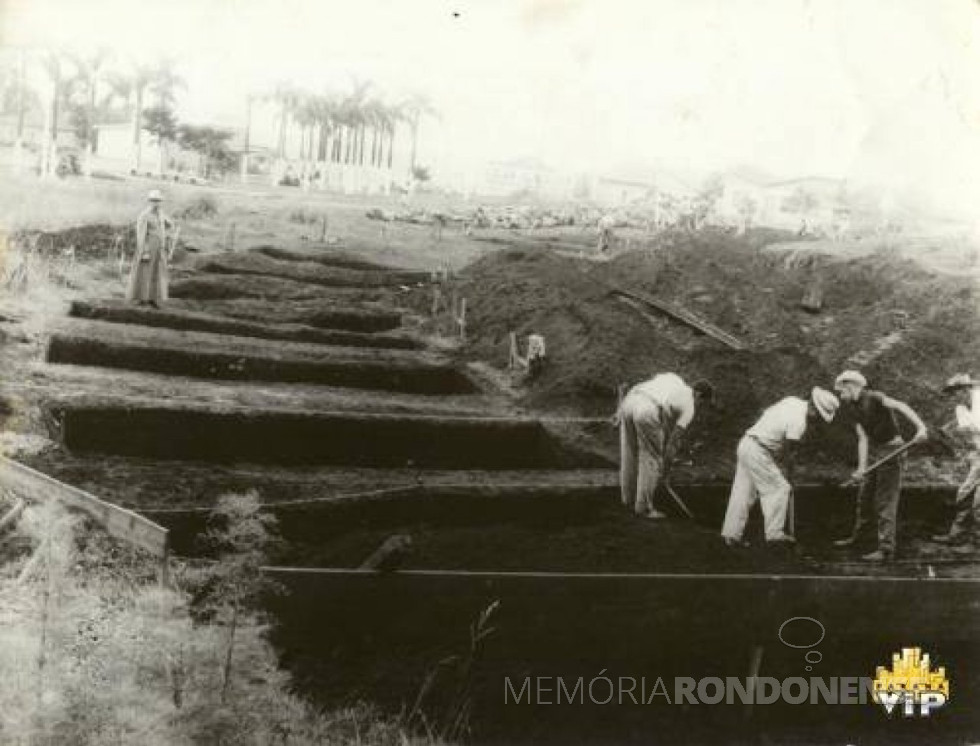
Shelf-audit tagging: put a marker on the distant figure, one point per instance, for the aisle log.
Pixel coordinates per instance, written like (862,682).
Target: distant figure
(148,275)
(606,223)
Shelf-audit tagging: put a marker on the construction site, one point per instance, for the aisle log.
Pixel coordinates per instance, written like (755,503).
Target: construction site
(436,373)
(373,390)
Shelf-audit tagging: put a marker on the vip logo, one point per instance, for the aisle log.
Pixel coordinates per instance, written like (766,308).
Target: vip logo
(911,686)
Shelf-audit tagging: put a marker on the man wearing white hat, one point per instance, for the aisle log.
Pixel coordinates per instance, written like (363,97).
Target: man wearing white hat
(967,428)
(764,454)
(148,276)
(878,434)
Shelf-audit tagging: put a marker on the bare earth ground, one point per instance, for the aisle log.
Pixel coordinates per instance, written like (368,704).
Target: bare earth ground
(749,286)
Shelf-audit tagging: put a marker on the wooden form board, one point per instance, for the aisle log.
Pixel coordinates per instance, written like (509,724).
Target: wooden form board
(118,522)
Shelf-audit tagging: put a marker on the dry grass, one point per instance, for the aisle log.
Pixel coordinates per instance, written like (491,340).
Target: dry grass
(248,215)
(94,652)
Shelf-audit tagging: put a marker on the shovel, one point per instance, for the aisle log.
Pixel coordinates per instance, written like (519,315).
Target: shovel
(881,462)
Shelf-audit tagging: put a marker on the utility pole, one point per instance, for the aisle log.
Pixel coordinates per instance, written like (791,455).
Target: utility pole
(247,146)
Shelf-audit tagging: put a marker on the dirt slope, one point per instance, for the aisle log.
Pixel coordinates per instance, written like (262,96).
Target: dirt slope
(595,341)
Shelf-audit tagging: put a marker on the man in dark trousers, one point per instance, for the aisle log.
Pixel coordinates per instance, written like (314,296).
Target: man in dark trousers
(878,434)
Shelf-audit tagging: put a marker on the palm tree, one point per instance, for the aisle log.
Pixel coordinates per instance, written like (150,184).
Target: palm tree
(416,107)
(18,97)
(163,84)
(131,87)
(395,114)
(285,97)
(55,66)
(87,77)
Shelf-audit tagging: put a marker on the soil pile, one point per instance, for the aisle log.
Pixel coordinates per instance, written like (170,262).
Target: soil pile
(595,341)
(95,241)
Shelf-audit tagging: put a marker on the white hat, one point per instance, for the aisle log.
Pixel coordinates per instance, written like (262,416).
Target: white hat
(960,381)
(155,196)
(825,402)
(850,376)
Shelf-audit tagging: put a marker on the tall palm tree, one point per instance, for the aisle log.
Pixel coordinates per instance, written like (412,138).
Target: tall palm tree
(58,69)
(18,97)
(416,107)
(164,83)
(132,86)
(87,75)
(395,114)
(285,96)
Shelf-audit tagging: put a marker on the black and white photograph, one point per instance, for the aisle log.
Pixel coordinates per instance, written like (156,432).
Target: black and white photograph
(489,372)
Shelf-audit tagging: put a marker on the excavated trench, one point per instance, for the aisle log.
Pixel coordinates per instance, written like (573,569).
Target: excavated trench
(582,589)
(387,370)
(311,272)
(289,437)
(182,320)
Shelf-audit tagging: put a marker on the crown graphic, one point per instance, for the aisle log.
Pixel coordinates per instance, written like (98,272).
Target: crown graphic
(911,672)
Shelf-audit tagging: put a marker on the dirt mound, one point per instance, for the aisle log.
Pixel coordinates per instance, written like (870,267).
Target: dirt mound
(595,341)
(95,241)
(312,272)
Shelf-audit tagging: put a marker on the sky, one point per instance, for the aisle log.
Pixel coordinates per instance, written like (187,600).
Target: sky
(875,91)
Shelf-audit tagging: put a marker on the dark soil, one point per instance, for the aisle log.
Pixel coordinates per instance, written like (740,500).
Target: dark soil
(95,241)
(205,355)
(595,341)
(325,313)
(330,257)
(170,318)
(312,272)
(289,437)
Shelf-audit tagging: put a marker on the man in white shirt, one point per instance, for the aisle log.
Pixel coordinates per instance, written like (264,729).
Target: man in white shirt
(967,430)
(652,417)
(764,453)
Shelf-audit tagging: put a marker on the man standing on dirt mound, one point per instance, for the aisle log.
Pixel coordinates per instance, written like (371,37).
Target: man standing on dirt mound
(652,418)
(764,456)
(878,435)
(148,276)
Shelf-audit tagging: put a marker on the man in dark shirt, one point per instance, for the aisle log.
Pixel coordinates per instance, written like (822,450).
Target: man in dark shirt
(878,434)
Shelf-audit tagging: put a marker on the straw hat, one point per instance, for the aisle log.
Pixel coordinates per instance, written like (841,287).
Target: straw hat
(825,402)
(155,195)
(960,381)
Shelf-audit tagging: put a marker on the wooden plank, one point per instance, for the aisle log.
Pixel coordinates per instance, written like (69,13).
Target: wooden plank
(684,316)
(118,522)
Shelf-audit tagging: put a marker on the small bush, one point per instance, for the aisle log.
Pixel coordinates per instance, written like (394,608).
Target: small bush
(199,209)
(304,216)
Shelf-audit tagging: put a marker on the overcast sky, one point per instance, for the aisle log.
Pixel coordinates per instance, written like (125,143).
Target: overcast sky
(873,90)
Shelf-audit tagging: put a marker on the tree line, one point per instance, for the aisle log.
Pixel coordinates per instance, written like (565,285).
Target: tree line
(356,127)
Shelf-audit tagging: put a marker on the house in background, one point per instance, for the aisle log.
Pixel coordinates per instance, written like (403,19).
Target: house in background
(819,203)
(610,191)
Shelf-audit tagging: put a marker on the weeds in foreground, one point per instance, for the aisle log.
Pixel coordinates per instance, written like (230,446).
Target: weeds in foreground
(93,652)
(450,720)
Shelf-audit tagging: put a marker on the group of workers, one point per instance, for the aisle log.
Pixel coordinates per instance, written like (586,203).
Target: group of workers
(654,415)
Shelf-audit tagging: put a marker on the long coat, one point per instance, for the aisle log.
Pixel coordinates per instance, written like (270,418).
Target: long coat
(148,277)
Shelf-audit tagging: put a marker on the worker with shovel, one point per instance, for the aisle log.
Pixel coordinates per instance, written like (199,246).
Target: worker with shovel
(880,438)
(764,456)
(966,427)
(652,418)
